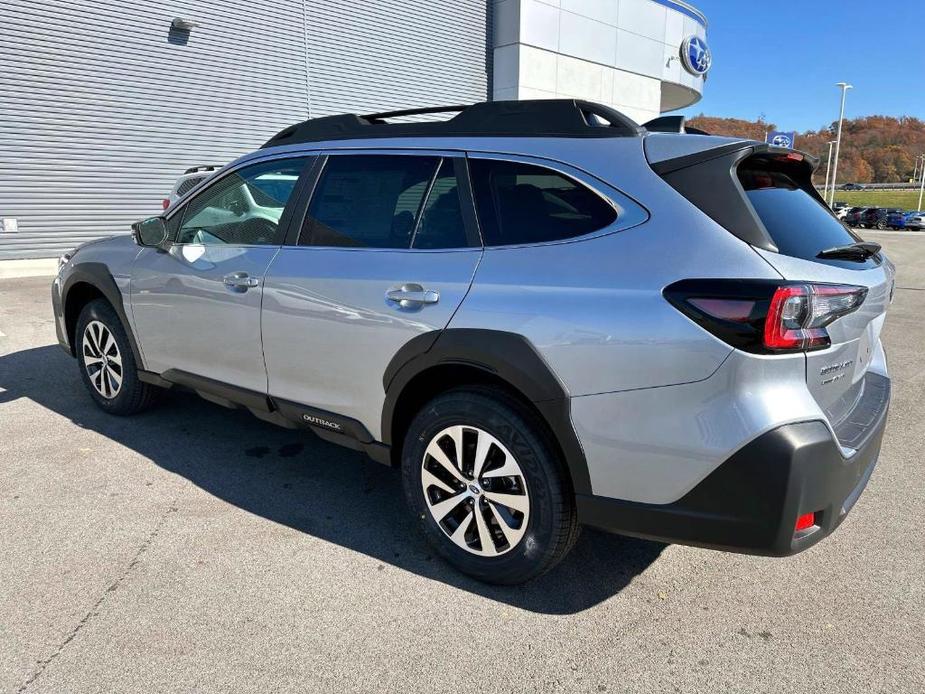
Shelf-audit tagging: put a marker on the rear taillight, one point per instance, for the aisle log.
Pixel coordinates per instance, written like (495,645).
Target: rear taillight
(765,316)
(165,203)
(799,313)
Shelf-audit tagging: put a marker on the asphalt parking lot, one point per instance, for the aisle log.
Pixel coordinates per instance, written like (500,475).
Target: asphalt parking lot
(194,548)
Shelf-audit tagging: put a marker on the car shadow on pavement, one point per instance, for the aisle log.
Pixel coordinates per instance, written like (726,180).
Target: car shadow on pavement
(296,479)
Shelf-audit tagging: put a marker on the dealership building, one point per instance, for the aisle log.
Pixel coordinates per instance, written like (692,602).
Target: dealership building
(104,104)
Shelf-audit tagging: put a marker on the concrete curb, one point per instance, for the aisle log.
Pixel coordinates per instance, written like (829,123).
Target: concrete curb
(28,267)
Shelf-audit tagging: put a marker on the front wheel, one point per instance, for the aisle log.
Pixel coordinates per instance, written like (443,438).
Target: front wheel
(107,363)
(881,226)
(483,478)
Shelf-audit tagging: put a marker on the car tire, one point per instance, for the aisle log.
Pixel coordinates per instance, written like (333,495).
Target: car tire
(107,363)
(881,226)
(539,529)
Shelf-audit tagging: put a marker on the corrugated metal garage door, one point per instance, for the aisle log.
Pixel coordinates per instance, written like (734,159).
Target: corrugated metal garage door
(102,106)
(391,54)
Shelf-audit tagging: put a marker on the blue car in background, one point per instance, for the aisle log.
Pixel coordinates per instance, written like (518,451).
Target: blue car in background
(896,219)
(915,220)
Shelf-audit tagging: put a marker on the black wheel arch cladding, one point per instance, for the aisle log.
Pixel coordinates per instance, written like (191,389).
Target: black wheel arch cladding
(506,356)
(97,275)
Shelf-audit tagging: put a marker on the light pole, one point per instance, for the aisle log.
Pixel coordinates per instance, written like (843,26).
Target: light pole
(841,116)
(922,184)
(825,191)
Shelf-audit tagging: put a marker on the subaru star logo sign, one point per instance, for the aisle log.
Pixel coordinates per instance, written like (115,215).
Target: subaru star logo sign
(696,56)
(781,140)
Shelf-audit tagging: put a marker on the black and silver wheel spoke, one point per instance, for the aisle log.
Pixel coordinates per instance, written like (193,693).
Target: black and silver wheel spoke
(475,490)
(102,359)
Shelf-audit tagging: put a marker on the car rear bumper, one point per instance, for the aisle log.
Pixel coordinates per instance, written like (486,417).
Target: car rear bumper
(751,502)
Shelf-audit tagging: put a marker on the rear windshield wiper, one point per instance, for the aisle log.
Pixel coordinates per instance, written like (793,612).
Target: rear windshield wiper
(862,250)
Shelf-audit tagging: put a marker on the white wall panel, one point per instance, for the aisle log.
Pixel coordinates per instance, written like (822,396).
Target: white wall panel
(102,106)
(643,17)
(618,52)
(539,24)
(393,54)
(588,39)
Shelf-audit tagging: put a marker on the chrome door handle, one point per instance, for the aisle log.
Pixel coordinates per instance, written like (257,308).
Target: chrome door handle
(240,281)
(412,295)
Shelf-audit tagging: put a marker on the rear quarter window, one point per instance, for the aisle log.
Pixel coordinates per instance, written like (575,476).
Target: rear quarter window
(520,203)
(799,225)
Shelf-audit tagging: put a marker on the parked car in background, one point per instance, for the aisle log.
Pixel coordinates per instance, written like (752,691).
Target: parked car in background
(875,218)
(915,221)
(840,209)
(852,186)
(853,216)
(483,304)
(191,178)
(896,219)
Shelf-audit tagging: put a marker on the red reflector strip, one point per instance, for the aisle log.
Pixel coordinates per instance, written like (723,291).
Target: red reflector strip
(736,310)
(790,156)
(807,520)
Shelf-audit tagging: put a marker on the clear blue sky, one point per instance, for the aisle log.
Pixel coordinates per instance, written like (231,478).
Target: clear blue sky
(782,59)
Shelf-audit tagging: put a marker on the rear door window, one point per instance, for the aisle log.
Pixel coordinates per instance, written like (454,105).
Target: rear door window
(368,201)
(799,225)
(441,224)
(520,203)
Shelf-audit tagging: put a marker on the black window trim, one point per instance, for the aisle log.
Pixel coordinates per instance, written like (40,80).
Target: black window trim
(285,222)
(422,205)
(630,212)
(470,221)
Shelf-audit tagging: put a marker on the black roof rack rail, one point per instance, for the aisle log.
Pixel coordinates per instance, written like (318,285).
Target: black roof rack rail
(671,124)
(534,118)
(378,117)
(201,167)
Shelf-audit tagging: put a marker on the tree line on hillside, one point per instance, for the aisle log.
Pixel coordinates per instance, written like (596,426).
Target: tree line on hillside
(874,149)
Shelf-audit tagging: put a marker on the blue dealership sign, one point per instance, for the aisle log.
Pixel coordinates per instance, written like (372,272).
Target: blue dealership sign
(782,139)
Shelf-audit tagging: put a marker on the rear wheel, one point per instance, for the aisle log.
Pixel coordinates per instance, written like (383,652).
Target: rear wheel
(881,225)
(107,364)
(491,494)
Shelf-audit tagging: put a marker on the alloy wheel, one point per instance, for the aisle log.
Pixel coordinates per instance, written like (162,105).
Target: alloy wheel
(102,359)
(475,490)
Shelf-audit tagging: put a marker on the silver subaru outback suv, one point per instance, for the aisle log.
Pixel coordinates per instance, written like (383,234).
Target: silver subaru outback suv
(544,314)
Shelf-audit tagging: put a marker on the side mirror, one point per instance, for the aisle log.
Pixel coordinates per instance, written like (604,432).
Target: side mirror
(150,233)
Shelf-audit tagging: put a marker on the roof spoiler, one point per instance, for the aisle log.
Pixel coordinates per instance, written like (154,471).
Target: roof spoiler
(672,124)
